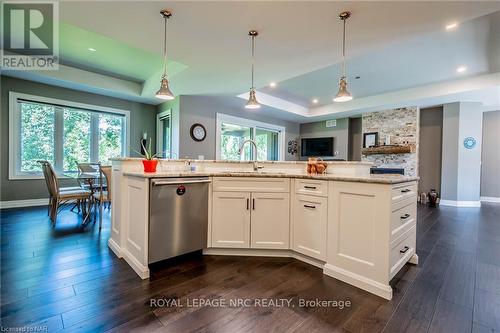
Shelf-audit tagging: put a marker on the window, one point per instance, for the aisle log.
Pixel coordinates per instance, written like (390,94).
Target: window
(64,133)
(233,131)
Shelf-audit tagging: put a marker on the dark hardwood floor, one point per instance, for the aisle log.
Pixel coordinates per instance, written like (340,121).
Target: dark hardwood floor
(66,278)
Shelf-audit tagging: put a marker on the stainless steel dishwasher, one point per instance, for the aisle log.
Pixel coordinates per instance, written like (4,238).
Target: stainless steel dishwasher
(178,216)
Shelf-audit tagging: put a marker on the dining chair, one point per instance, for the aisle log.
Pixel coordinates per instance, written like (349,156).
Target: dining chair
(46,176)
(104,195)
(59,197)
(88,168)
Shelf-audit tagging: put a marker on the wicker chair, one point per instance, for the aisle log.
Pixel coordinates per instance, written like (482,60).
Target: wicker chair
(59,197)
(104,195)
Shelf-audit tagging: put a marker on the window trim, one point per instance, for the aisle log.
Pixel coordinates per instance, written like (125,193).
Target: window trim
(15,130)
(225,118)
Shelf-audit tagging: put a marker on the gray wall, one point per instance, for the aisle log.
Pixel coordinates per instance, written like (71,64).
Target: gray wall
(142,118)
(431,128)
(340,133)
(449,161)
(490,167)
(203,109)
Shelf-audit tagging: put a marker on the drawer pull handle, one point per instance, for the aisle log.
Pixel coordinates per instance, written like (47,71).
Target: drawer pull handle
(404,217)
(406,190)
(404,250)
(253,204)
(309,206)
(248,203)
(310,187)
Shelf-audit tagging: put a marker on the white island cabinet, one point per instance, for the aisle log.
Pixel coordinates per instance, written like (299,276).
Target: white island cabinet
(357,227)
(310,218)
(371,233)
(255,218)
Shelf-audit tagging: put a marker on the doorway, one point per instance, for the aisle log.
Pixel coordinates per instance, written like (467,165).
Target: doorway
(164,134)
(430,149)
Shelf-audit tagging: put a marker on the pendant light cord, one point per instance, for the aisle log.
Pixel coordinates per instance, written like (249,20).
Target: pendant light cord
(253,58)
(165,48)
(343,50)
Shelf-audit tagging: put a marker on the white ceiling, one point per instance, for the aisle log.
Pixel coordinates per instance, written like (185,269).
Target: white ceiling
(295,37)
(393,46)
(424,59)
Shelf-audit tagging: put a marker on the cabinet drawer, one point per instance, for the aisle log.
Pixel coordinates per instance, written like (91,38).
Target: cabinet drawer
(401,250)
(403,217)
(311,187)
(251,184)
(403,191)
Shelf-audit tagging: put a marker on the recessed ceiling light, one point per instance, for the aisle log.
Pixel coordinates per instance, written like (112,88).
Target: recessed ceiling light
(92,49)
(451,26)
(461,69)
(315,101)
(272,84)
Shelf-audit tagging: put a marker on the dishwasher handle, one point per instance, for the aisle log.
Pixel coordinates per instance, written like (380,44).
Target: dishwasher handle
(181,182)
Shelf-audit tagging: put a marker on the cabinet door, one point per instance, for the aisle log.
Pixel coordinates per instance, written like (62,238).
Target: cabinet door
(309,220)
(270,221)
(231,219)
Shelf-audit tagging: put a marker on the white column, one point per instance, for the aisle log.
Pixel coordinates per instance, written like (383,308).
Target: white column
(461,166)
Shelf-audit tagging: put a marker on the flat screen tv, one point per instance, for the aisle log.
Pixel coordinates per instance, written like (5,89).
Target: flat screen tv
(316,147)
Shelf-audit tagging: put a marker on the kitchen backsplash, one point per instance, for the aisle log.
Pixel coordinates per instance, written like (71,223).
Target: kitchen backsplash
(399,127)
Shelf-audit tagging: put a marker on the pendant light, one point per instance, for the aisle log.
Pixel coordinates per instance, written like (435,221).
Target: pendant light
(343,95)
(252,100)
(164,91)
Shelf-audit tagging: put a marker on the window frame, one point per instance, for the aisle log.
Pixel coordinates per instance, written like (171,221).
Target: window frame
(15,130)
(254,124)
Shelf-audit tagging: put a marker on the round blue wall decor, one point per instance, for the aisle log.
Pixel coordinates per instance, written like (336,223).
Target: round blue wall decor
(469,142)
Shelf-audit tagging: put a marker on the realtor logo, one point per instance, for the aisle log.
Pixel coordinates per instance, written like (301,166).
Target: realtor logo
(30,35)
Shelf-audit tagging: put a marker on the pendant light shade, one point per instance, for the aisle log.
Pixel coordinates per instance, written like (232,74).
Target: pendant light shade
(164,92)
(343,95)
(252,99)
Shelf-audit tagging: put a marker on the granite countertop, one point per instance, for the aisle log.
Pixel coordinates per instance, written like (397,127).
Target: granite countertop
(241,162)
(377,179)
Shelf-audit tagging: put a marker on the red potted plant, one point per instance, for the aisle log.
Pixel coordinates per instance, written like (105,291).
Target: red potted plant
(149,162)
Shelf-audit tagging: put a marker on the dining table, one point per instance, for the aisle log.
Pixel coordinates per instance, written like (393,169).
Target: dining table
(90,180)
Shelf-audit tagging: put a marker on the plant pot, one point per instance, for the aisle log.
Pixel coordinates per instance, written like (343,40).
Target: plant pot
(150,165)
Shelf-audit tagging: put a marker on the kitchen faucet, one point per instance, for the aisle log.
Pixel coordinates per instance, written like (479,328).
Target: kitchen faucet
(256,166)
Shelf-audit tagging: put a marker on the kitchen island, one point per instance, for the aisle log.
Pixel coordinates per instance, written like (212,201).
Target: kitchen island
(356,227)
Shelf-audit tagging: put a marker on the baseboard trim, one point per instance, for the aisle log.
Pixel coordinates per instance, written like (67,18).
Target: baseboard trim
(455,203)
(490,199)
(115,248)
(24,203)
(374,287)
(140,269)
(264,253)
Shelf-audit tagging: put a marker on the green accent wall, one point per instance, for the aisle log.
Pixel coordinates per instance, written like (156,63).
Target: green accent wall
(111,56)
